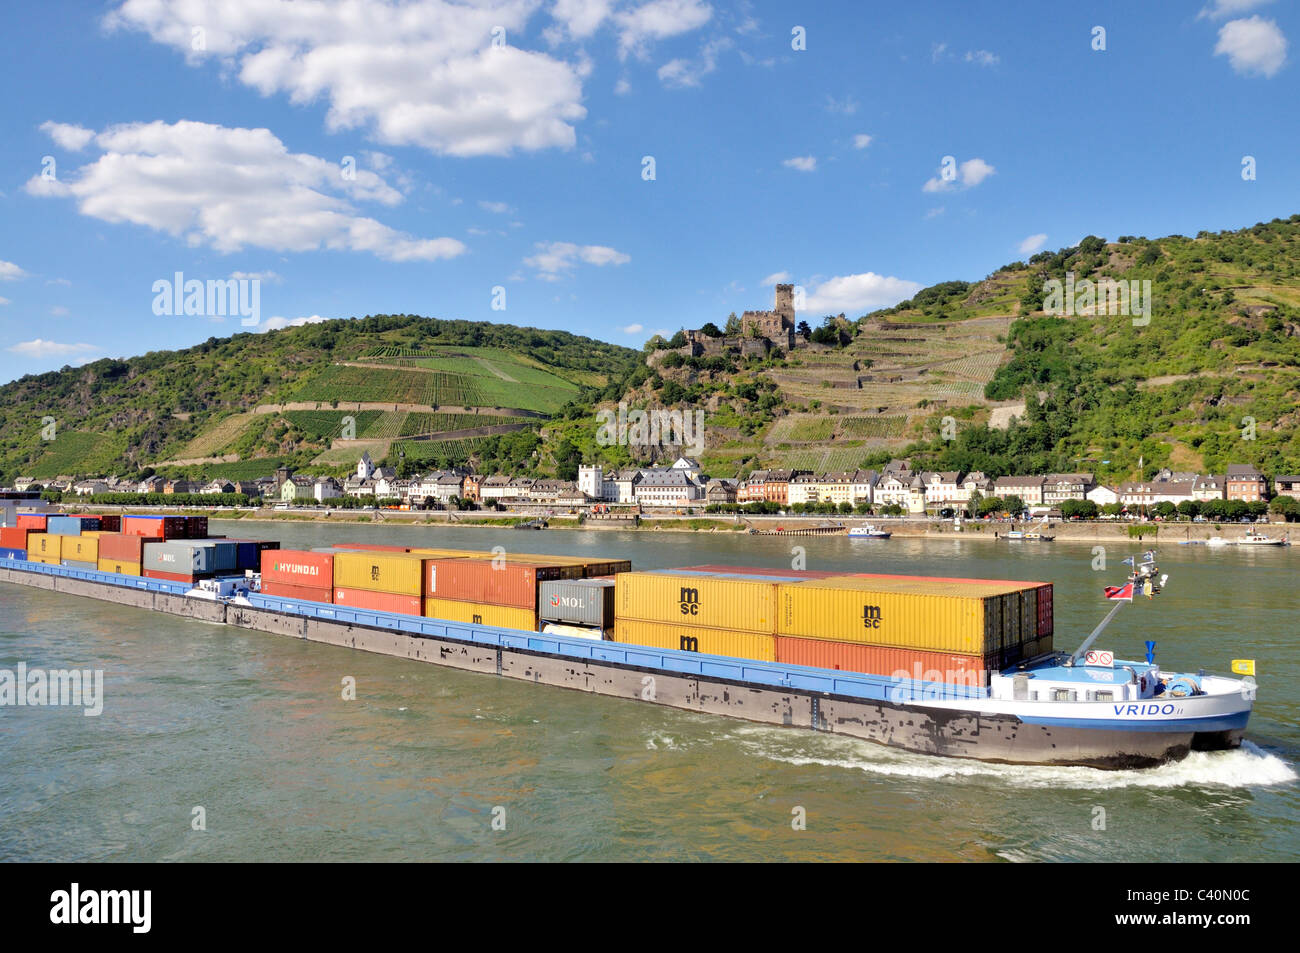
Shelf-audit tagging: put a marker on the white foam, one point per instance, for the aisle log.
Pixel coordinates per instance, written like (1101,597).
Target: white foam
(1244,767)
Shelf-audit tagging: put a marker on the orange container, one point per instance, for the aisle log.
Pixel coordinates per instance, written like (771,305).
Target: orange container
(501,582)
(310,593)
(894,662)
(13,537)
(34,521)
(124,548)
(379,601)
(298,568)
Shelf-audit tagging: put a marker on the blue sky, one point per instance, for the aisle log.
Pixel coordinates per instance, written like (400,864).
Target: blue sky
(501,145)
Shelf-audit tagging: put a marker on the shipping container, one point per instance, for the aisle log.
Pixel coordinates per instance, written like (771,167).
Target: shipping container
(8,552)
(927,615)
(225,554)
(185,557)
(296,567)
(124,548)
(13,537)
(307,593)
(249,551)
(498,582)
(196,527)
(71,525)
(80,548)
(378,601)
(38,558)
(45,545)
(479,613)
(34,521)
(191,578)
(110,522)
(579,601)
(120,566)
(1045,623)
(372,547)
(695,638)
(80,564)
(762,571)
(722,601)
(399,573)
(591,566)
(161,527)
(950,668)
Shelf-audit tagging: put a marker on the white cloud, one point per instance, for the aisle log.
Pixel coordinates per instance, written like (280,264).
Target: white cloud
(496,208)
(856,293)
(422,73)
(42,348)
(657,20)
(231,188)
(936,51)
(554,259)
(934,212)
(59,311)
(968,175)
(1227,8)
(60,281)
(633,329)
(4,301)
(1033,243)
(622,88)
(581,17)
(70,137)
(10,272)
(776,278)
(861,141)
(379,161)
(681,73)
(277,322)
(982,57)
(270,277)
(846,106)
(1254,46)
(802,163)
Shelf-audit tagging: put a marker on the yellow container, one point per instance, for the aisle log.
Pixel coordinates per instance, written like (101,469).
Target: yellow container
(118,566)
(714,602)
(46,545)
(965,619)
(481,613)
(401,573)
(52,560)
(694,638)
(82,548)
(450,553)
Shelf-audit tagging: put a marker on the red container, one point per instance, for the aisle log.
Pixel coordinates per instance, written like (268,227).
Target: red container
(161,527)
(34,521)
(379,601)
(13,537)
(310,593)
(491,581)
(120,547)
(376,547)
(877,660)
(1045,610)
(762,571)
(171,576)
(298,568)
(196,527)
(111,523)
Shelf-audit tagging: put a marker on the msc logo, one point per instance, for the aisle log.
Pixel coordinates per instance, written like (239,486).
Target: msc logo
(476,619)
(374,573)
(871,617)
(690,600)
(690,643)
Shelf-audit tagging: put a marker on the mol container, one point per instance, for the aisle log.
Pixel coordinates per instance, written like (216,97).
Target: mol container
(398,573)
(481,613)
(378,601)
(953,669)
(587,602)
(161,527)
(179,558)
(71,525)
(298,568)
(34,521)
(695,638)
(44,548)
(715,601)
(934,615)
(80,549)
(498,582)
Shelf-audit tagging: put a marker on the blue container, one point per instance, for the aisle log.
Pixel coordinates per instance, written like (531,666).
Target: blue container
(71,525)
(225,554)
(7,553)
(250,551)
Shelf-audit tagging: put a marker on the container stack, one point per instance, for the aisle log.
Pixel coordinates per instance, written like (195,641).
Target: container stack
(13,542)
(381,581)
(297,574)
(122,553)
(491,590)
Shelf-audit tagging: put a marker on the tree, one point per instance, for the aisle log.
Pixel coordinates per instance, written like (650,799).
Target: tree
(846,508)
(733,325)
(1014,505)
(677,340)
(1189,509)
(1285,507)
(803,330)
(711,330)
(1079,509)
(1165,509)
(990,504)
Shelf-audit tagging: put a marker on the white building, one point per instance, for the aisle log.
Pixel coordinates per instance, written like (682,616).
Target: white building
(1102,495)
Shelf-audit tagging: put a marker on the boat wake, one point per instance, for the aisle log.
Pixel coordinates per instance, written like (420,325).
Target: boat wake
(1246,767)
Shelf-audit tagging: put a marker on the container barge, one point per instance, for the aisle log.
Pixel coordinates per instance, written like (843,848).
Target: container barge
(1013,704)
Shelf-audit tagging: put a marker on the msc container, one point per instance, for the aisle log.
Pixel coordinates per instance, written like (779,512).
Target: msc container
(306,593)
(295,567)
(579,601)
(71,525)
(929,615)
(949,668)
(13,537)
(8,552)
(45,545)
(124,548)
(80,564)
(181,557)
(80,548)
(714,601)
(120,566)
(161,527)
(498,582)
(110,522)
(480,613)
(696,638)
(378,601)
(34,521)
(398,573)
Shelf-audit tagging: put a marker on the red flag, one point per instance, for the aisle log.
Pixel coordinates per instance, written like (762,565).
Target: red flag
(1124,592)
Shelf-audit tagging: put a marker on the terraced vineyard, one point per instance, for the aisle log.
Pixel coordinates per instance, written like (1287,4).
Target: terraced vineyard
(880,428)
(327,424)
(417,423)
(343,383)
(72,452)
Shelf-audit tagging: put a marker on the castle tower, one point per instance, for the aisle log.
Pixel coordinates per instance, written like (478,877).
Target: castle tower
(785,302)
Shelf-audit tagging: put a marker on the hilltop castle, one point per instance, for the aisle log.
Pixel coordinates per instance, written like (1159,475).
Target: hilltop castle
(760,331)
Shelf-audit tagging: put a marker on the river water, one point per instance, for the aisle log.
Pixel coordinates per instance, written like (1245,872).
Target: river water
(433,764)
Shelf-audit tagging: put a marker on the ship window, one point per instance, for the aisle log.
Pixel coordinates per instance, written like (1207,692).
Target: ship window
(1061,694)
(1105,696)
